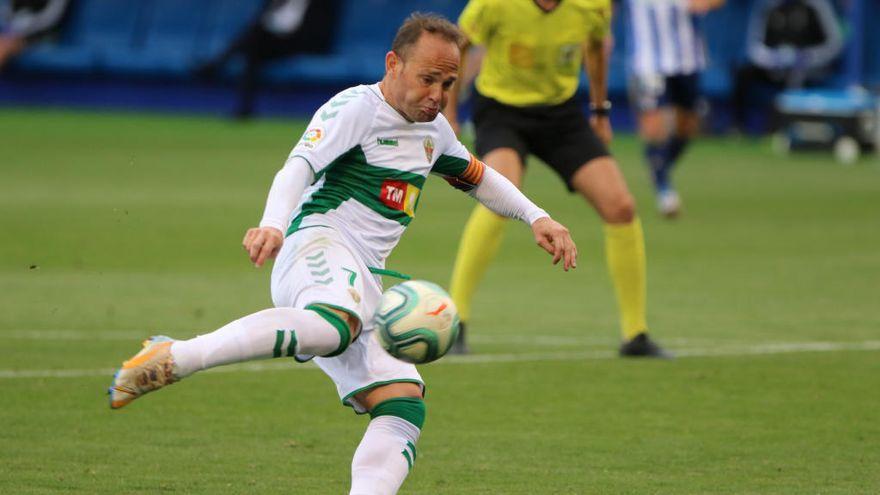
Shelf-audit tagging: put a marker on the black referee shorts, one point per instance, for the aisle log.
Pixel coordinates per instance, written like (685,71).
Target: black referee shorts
(560,135)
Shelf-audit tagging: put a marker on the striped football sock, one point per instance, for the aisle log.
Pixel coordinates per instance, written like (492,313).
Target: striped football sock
(387,452)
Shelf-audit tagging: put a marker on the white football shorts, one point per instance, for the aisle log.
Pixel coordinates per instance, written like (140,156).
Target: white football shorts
(317,266)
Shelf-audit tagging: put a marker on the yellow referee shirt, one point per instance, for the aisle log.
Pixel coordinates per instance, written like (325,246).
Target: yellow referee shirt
(533,57)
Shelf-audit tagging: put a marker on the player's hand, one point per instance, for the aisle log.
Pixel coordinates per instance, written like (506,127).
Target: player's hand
(555,239)
(262,243)
(602,127)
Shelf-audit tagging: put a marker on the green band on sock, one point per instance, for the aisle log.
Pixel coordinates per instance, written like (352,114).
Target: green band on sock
(411,409)
(291,347)
(279,339)
(412,447)
(338,323)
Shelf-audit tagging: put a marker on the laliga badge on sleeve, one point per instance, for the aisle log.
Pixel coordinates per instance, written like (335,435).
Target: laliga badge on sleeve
(311,138)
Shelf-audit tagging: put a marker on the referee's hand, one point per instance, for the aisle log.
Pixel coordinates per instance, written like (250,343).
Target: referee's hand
(602,127)
(262,243)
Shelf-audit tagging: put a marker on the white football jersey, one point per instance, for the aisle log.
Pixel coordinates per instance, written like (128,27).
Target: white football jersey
(370,167)
(665,38)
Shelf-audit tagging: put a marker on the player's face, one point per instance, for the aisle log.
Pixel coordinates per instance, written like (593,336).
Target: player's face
(421,82)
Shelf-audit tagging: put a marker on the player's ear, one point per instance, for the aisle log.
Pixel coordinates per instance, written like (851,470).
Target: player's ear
(392,63)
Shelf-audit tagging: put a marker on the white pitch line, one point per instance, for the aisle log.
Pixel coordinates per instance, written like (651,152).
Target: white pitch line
(535,339)
(731,351)
(133,335)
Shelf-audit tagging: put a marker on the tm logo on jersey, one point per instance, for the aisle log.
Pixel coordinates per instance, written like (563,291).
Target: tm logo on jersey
(399,195)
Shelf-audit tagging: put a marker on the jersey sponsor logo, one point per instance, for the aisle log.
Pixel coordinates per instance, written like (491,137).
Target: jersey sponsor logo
(387,141)
(312,137)
(428,143)
(399,195)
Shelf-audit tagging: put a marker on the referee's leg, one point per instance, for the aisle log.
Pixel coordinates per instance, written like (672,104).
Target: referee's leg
(602,184)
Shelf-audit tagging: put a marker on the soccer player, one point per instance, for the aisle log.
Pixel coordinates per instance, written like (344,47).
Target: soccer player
(344,197)
(666,56)
(525,104)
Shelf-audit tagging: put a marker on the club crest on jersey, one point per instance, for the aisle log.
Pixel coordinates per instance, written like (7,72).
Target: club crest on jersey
(400,195)
(312,137)
(429,148)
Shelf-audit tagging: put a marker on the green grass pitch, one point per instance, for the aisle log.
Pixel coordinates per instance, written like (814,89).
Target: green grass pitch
(119,226)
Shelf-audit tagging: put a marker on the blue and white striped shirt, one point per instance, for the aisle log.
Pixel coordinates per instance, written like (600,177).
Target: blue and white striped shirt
(664,38)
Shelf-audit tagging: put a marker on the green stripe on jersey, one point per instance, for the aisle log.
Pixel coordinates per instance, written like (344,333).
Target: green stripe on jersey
(450,166)
(351,177)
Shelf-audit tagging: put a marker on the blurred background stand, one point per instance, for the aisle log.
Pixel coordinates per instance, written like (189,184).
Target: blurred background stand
(24,22)
(842,116)
(283,28)
(144,55)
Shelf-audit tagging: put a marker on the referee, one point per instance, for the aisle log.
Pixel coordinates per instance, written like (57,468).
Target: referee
(525,104)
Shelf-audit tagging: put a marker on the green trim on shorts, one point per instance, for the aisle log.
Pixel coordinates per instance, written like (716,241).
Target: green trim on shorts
(337,322)
(389,273)
(411,409)
(345,400)
(289,232)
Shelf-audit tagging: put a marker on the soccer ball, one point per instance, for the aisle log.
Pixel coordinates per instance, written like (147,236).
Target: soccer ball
(416,322)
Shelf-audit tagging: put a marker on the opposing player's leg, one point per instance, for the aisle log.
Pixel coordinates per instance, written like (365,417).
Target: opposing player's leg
(601,183)
(682,95)
(658,144)
(480,242)
(387,452)
(654,134)
(649,95)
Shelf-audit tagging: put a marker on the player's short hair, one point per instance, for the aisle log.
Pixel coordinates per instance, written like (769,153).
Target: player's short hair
(417,23)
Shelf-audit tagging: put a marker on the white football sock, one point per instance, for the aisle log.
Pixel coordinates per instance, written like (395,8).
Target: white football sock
(384,456)
(275,332)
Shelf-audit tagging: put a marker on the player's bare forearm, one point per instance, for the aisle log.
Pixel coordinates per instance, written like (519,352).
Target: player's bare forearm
(554,238)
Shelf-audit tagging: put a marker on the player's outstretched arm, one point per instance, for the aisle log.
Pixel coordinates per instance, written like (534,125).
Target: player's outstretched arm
(264,242)
(498,194)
